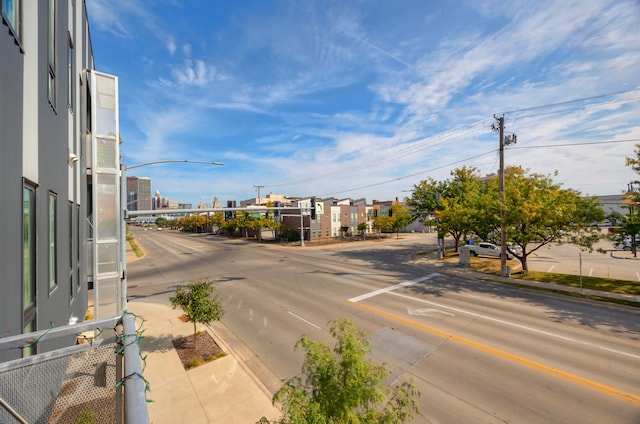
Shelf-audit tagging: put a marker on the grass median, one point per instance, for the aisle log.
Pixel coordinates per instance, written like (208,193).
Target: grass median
(132,241)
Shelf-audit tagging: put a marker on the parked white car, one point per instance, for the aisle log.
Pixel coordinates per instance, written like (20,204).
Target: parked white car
(515,248)
(624,244)
(486,249)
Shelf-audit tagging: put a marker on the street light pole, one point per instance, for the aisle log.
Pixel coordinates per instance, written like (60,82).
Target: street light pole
(124,215)
(301,228)
(259,198)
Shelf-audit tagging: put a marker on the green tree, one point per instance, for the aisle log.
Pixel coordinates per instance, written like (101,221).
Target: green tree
(362,228)
(450,201)
(161,222)
(457,204)
(343,385)
(198,303)
(634,163)
(244,222)
(537,212)
(216,220)
(400,217)
(229,225)
(383,223)
(630,226)
(270,223)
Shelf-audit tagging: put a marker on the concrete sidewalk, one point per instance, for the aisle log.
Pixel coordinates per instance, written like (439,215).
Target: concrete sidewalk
(220,391)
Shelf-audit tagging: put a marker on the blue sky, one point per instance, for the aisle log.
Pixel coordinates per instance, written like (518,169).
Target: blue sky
(366,98)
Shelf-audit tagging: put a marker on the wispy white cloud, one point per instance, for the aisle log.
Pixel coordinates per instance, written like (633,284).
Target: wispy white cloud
(196,73)
(367,92)
(171,45)
(111,16)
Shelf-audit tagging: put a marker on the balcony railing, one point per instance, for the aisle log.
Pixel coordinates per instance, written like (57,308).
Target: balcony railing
(99,379)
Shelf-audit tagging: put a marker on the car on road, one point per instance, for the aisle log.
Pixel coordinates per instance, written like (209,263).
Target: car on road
(486,249)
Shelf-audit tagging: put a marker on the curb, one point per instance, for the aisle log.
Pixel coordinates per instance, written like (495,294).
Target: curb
(226,347)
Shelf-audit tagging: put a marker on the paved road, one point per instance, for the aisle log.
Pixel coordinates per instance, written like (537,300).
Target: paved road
(478,352)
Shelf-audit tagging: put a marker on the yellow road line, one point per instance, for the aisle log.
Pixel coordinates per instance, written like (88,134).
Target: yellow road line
(508,356)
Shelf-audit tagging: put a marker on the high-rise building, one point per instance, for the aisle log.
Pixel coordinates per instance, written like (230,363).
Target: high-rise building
(139,194)
(132,193)
(144,194)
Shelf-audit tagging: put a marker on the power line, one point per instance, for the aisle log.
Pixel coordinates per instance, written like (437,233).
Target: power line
(410,175)
(584,99)
(585,143)
(475,157)
(572,109)
(425,143)
(466,130)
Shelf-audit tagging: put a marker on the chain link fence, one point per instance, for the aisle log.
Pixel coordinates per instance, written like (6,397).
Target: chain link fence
(81,384)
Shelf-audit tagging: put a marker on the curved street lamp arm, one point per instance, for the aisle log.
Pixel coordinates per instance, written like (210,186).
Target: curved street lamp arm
(173,161)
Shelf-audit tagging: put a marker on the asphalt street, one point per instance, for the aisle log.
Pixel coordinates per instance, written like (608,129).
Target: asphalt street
(479,352)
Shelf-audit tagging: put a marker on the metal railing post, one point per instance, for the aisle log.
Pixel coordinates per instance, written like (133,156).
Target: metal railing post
(135,402)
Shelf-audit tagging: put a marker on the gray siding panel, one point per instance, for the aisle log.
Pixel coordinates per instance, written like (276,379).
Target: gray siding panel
(54,308)
(11,104)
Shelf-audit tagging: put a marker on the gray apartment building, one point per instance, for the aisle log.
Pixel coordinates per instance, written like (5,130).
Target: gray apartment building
(58,161)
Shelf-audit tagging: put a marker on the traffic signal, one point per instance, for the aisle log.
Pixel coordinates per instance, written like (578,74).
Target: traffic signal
(230,214)
(313,208)
(276,212)
(390,212)
(375,213)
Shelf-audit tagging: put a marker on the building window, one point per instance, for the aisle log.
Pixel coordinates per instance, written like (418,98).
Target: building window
(28,262)
(53,259)
(12,16)
(28,250)
(71,74)
(78,248)
(71,285)
(51,48)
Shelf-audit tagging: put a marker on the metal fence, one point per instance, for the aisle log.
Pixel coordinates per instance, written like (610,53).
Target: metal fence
(98,380)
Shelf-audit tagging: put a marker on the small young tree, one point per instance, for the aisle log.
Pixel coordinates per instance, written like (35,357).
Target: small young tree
(401,217)
(344,385)
(198,303)
(362,229)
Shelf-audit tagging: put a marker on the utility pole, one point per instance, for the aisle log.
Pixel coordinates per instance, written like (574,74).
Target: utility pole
(259,198)
(511,138)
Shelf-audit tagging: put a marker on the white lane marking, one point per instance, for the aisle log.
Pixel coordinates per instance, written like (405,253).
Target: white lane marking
(427,311)
(304,320)
(638,275)
(186,246)
(480,297)
(390,288)
(590,272)
(551,269)
(522,327)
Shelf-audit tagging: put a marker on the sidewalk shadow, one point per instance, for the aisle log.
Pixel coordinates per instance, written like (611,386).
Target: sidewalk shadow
(157,344)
